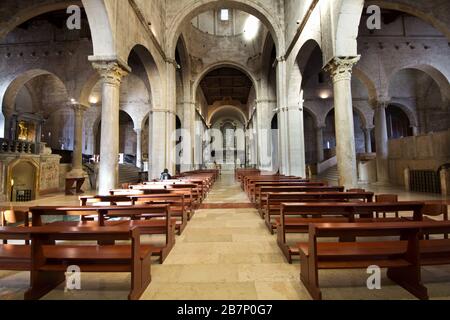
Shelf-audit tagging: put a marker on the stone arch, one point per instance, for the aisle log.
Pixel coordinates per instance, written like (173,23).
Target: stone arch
(403,7)
(153,73)
(225,64)
(231,109)
(296,82)
(313,115)
(10,174)
(347,28)
(101,30)
(194,8)
(362,116)
(411,114)
(368,83)
(34,10)
(441,80)
(86,91)
(11,88)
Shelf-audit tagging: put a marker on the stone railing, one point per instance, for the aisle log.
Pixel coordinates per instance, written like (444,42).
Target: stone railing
(327,164)
(15,146)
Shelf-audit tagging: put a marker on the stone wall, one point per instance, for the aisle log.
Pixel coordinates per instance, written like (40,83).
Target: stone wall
(423,152)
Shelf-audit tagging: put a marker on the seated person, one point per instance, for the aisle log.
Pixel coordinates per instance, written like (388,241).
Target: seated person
(165,175)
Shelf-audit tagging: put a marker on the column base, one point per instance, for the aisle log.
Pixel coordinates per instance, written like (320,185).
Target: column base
(381,183)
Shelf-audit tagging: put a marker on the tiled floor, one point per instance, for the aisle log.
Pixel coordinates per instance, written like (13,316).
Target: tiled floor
(227,253)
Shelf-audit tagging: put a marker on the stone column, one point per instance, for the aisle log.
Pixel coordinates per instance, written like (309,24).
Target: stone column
(340,69)
(381,138)
(138,147)
(163,130)
(77,158)
(265,161)
(296,140)
(111,73)
(283,148)
(368,139)
(319,141)
(415,130)
(189,145)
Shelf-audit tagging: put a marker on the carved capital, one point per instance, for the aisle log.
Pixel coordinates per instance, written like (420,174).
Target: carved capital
(382,102)
(79,108)
(340,68)
(110,71)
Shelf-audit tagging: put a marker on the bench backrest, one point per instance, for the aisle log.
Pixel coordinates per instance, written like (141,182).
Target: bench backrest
(277,198)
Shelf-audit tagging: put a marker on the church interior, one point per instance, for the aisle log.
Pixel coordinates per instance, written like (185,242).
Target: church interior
(224,150)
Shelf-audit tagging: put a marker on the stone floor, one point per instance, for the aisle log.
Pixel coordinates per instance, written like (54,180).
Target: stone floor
(229,254)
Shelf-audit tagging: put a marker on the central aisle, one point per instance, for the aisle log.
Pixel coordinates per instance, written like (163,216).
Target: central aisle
(225,254)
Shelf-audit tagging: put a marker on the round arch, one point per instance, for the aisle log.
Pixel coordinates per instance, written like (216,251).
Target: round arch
(101,31)
(368,83)
(347,27)
(223,109)
(194,8)
(411,114)
(225,64)
(442,27)
(441,80)
(313,116)
(34,10)
(153,73)
(10,89)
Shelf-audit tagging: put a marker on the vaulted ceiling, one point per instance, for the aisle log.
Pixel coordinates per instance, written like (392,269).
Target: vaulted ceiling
(226,83)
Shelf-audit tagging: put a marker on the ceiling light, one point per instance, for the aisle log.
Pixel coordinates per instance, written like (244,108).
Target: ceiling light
(93,100)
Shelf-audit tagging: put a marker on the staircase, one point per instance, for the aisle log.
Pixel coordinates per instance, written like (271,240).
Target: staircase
(330,175)
(128,174)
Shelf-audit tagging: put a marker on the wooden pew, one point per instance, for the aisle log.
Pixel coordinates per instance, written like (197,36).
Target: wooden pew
(274,202)
(191,197)
(240,173)
(402,257)
(179,211)
(248,181)
(264,191)
(256,187)
(296,217)
(48,262)
(158,220)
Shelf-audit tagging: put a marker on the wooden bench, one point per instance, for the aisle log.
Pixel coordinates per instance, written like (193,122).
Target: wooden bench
(191,196)
(48,262)
(402,257)
(274,201)
(248,181)
(255,187)
(178,209)
(150,219)
(264,191)
(296,217)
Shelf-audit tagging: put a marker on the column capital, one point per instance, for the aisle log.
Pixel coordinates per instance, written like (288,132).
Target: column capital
(340,68)
(78,107)
(382,102)
(112,71)
(138,130)
(368,129)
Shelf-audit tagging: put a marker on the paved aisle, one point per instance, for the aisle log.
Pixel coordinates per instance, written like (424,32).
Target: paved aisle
(226,254)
